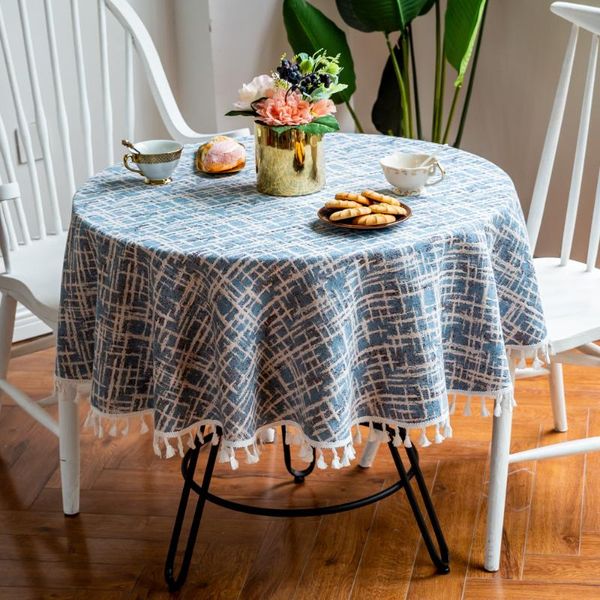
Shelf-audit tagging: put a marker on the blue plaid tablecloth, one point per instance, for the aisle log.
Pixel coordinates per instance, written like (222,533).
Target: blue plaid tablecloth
(205,303)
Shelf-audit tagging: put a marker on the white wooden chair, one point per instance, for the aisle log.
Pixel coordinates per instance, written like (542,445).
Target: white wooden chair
(32,232)
(570,289)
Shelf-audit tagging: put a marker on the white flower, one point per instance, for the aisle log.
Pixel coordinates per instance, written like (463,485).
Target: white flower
(254,90)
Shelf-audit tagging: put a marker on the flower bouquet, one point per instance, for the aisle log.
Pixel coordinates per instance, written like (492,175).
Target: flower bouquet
(293,111)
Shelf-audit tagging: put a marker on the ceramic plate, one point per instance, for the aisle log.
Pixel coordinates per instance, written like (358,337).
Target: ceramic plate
(324,213)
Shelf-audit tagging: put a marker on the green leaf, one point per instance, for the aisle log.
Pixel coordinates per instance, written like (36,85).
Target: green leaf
(319,126)
(428,6)
(463,19)
(387,110)
(380,15)
(242,113)
(309,30)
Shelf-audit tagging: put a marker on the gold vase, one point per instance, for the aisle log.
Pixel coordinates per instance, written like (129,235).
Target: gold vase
(289,163)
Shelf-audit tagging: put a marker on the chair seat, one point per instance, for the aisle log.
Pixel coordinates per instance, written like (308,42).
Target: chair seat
(35,277)
(571,298)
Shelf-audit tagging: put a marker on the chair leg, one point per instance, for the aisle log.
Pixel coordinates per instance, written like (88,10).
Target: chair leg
(68,424)
(8,309)
(369,453)
(501,431)
(557,395)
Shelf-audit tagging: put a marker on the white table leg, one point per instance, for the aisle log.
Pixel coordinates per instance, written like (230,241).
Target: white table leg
(268,435)
(369,453)
(557,395)
(501,431)
(68,439)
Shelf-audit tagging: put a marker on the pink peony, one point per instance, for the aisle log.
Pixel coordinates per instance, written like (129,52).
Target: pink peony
(322,108)
(282,108)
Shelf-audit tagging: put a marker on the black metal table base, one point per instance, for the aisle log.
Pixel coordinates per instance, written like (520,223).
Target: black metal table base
(439,555)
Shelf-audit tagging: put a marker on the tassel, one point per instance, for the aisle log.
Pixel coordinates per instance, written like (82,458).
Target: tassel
(306,452)
(522,362)
(288,437)
(215,437)
(233,460)
(512,400)
(321,464)
(423,440)
(191,441)
(407,442)
(447,430)
(250,457)
(357,437)
(143,425)
(125,430)
(453,404)
(200,436)
(335,461)
(346,456)
(170,450)
(156,447)
(397,439)
(100,428)
(498,406)
(467,409)
(484,409)
(88,420)
(372,435)
(439,438)
(537,363)
(113,429)
(223,454)
(180,446)
(546,353)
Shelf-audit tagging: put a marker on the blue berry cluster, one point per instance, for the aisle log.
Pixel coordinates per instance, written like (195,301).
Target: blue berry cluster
(306,83)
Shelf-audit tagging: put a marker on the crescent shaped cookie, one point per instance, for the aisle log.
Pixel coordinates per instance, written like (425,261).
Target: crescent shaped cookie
(341,204)
(374,219)
(353,197)
(388,209)
(349,213)
(377,197)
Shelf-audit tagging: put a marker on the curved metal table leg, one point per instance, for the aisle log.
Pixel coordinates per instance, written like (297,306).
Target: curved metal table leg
(175,582)
(188,467)
(298,475)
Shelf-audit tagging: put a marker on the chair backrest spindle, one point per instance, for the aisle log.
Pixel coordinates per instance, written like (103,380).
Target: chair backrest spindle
(105,76)
(542,182)
(59,95)
(579,160)
(594,243)
(84,104)
(129,89)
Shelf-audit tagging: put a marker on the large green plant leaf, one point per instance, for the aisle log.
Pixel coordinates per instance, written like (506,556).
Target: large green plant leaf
(428,6)
(380,15)
(387,110)
(309,30)
(463,19)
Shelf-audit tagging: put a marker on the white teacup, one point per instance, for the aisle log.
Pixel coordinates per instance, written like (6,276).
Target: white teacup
(156,159)
(403,171)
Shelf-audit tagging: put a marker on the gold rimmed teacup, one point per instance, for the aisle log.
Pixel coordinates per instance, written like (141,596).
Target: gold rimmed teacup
(156,159)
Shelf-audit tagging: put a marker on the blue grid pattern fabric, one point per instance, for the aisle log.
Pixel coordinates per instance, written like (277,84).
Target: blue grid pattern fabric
(205,302)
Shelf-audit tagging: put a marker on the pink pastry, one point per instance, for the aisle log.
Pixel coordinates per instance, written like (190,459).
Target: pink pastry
(222,154)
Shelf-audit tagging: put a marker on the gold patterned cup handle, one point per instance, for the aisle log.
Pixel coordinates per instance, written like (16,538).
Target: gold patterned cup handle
(436,165)
(126,164)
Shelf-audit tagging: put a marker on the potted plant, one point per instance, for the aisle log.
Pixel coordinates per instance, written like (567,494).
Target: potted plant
(293,112)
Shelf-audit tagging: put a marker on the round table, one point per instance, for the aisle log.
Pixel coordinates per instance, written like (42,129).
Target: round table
(205,303)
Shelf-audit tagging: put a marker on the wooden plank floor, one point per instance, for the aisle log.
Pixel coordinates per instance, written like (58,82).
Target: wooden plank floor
(115,548)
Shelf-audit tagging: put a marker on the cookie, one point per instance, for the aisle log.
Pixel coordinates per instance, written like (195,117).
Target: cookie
(373,219)
(353,197)
(388,209)
(349,213)
(341,204)
(377,197)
